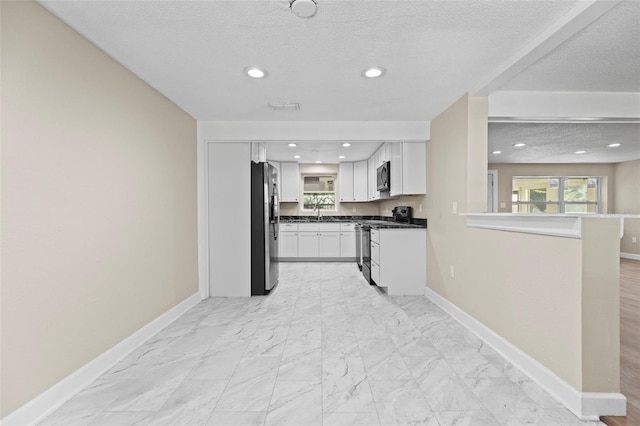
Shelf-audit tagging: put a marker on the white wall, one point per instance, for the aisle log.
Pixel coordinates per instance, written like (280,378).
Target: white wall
(229,189)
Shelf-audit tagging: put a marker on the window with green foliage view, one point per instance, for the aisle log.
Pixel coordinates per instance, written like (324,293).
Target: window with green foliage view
(556,194)
(319,193)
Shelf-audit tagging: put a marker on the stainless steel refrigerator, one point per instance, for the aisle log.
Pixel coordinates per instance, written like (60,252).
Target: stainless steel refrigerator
(265,220)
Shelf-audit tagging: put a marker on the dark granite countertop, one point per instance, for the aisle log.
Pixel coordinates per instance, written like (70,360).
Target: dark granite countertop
(376,222)
(393,225)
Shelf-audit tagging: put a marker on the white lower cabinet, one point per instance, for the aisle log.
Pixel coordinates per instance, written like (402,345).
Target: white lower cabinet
(348,240)
(399,260)
(319,244)
(308,244)
(288,240)
(319,240)
(329,244)
(348,244)
(288,246)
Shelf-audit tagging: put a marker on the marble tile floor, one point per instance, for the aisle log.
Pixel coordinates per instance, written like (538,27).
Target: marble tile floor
(324,348)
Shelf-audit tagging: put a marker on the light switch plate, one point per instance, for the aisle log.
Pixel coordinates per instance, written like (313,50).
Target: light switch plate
(454,208)
(503,205)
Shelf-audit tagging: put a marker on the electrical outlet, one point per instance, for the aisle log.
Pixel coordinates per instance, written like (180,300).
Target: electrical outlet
(353,210)
(452,271)
(454,208)
(634,239)
(503,205)
(420,208)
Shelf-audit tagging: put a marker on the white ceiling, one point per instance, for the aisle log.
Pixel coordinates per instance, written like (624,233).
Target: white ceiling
(434,51)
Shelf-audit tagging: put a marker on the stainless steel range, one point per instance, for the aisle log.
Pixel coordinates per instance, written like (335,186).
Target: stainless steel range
(366,252)
(358,228)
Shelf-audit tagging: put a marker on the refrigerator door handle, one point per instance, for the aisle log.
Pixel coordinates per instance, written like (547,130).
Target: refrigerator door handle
(275,209)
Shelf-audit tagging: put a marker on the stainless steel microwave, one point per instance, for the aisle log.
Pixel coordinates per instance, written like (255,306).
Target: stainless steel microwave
(384,174)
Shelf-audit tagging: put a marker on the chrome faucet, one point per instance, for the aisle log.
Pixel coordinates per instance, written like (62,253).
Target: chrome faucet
(317,208)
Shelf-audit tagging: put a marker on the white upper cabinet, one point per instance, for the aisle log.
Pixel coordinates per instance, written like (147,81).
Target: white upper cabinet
(396,169)
(345,180)
(360,187)
(290,182)
(408,168)
(371,173)
(387,152)
(276,164)
(352,178)
(414,168)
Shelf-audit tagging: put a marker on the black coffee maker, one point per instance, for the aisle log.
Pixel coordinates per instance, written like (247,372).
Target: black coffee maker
(402,214)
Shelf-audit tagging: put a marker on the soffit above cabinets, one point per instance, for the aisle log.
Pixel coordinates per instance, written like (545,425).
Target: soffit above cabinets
(326,152)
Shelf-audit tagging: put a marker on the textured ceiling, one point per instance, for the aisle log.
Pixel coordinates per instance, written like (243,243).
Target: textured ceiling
(603,57)
(194,52)
(434,51)
(558,142)
(327,152)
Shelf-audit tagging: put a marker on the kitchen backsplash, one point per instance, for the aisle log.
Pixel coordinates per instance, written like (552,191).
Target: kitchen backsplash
(418,204)
(344,209)
(374,208)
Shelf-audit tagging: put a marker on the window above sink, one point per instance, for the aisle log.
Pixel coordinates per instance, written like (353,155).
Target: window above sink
(319,192)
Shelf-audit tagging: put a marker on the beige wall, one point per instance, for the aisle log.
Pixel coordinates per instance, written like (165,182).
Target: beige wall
(627,201)
(600,305)
(507,171)
(418,204)
(99,203)
(527,288)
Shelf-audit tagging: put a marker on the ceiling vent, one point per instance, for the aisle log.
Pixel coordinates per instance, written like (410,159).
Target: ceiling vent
(285,107)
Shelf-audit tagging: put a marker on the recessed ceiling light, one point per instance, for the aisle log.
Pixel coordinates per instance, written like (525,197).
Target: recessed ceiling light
(580,152)
(318,161)
(518,145)
(373,72)
(497,152)
(346,144)
(255,72)
(296,156)
(292,144)
(613,145)
(303,8)
(340,156)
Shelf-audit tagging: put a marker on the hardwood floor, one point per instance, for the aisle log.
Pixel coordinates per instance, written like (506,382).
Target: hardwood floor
(629,343)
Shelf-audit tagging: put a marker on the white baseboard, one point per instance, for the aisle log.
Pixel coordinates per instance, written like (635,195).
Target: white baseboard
(48,401)
(586,405)
(630,256)
(596,404)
